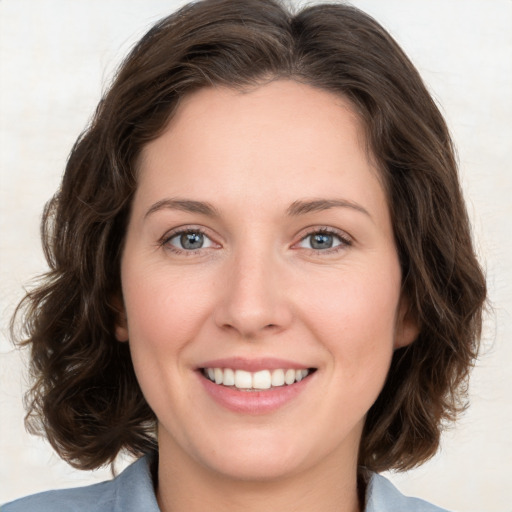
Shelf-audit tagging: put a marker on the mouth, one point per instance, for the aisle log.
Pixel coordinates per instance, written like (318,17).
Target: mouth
(243,380)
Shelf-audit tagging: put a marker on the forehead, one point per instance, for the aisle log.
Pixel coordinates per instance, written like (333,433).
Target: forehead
(283,104)
(284,138)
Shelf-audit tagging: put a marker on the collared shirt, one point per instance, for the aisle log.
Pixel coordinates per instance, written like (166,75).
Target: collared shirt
(133,491)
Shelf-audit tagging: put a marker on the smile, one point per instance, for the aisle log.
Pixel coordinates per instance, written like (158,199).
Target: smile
(263,379)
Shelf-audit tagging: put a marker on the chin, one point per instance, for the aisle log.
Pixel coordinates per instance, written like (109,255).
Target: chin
(253,453)
(259,456)
(253,467)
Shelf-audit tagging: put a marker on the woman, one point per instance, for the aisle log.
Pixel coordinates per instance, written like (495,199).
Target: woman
(262,276)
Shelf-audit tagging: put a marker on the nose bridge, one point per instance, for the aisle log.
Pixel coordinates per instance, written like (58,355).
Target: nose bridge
(253,301)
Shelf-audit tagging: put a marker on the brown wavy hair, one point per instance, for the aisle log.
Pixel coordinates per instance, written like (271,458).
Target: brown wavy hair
(85,398)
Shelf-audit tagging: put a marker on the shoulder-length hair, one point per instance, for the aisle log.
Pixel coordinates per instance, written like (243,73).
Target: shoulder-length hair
(85,397)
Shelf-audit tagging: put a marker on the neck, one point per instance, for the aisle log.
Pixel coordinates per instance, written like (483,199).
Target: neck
(185,486)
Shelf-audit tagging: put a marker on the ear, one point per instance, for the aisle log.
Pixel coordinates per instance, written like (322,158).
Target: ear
(407,325)
(121,324)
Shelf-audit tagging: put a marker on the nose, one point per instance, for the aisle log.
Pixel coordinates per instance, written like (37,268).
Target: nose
(254,300)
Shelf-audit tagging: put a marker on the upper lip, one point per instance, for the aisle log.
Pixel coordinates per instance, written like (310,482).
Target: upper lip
(253,365)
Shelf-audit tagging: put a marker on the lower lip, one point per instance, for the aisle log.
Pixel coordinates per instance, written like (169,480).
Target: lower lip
(254,402)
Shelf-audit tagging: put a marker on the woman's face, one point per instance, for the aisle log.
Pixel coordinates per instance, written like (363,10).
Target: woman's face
(259,244)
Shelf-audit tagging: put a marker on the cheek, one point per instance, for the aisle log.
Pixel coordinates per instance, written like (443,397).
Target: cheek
(163,316)
(354,315)
(161,308)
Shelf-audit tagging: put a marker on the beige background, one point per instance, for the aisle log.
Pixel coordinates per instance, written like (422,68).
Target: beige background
(57,56)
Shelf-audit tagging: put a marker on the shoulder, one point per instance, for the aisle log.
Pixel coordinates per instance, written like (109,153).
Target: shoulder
(95,498)
(132,490)
(383,496)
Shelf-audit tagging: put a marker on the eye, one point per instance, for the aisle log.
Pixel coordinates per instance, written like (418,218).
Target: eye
(189,240)
(323,241)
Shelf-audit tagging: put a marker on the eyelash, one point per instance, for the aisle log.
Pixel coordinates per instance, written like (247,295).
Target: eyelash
(164,242)
(345,240)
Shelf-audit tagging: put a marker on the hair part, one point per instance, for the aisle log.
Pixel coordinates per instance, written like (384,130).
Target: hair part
(85,397)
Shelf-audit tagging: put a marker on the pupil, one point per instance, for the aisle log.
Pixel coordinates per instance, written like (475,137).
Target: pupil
(321,241)
(191,240)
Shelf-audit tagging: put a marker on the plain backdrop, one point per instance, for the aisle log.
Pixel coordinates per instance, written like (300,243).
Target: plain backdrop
(56,58)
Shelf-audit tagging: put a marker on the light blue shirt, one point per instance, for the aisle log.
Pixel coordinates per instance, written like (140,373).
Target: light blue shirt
(133,491)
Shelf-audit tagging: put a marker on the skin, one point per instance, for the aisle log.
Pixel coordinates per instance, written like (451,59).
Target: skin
(257,289)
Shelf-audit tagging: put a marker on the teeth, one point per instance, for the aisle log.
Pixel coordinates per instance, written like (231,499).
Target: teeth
(300,374)
(243,380)
(277,378)
(264,379)
(289,377)
(229,377)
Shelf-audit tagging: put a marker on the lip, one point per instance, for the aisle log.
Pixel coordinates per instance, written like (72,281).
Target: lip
(254,402)
(253,365)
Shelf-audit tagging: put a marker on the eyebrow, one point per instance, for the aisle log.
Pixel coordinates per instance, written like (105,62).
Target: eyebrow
(297,208)
(186,205)
(317,205)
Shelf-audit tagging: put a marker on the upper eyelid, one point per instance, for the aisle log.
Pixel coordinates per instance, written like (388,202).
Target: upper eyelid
(171,233)
(325,229)
(164,241)
(304,233)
